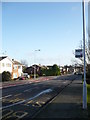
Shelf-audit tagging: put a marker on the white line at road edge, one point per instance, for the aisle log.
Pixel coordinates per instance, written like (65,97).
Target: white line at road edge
(43,92)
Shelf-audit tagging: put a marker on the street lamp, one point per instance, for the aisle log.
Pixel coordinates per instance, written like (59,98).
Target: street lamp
(35,66)
(84,83)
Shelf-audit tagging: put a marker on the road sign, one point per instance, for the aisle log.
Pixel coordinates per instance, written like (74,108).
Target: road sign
(78,53)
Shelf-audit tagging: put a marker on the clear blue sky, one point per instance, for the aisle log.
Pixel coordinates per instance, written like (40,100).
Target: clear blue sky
(55,28)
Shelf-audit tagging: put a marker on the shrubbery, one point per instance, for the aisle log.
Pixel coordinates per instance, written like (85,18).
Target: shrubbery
(6,76)
(88,74)
(53,71)
(88,71)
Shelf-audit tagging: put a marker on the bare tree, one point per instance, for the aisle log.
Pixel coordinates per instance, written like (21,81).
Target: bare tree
(24,62)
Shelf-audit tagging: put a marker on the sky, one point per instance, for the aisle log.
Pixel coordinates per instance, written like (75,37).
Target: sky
(54,28)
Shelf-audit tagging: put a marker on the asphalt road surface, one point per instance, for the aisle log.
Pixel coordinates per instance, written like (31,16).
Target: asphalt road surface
(24,101)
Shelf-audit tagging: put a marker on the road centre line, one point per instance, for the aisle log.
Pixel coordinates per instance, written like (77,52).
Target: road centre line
(30,89)
(43,92)
(26,90)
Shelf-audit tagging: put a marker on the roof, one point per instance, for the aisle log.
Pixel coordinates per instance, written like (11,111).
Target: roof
(41,66)
(3,57)
(16,63)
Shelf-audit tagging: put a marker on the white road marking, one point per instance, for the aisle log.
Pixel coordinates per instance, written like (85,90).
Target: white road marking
(5,96)
(26,90)
(43,92)
(17,94)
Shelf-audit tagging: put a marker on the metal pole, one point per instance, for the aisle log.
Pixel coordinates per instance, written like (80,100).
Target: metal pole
(35,66)
(84,83)
(34,72)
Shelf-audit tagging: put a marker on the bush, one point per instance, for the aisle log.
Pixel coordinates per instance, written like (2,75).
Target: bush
(53,71)
(88,71)
(6,76)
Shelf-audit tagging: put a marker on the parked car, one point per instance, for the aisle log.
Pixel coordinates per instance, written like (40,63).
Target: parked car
(24,76)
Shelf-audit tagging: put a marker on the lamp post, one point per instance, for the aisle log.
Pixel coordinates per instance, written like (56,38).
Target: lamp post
(84,83)
(35,66)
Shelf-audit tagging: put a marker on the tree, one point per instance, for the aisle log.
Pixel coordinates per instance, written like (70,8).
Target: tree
(55,70)
(6,76)
(52,71)
(24,62)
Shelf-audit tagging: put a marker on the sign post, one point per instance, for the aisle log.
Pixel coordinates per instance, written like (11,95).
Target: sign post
(84,83)
(78,53)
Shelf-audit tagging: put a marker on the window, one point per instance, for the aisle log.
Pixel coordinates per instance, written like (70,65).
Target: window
(15,67)
(3,64)
(8,65)
(14,75)
(19,67)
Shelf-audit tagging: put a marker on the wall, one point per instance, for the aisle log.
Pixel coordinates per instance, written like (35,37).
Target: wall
(6,65)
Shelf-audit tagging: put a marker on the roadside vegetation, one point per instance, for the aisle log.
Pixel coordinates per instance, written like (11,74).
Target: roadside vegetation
(6,76)
(88,98)
(88,74)
(53,71)
(88,88)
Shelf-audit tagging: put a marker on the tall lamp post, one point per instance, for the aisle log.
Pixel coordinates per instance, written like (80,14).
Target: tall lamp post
(84,83)
(35,66)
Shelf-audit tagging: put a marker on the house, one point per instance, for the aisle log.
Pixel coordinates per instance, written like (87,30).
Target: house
(5,64)
(37,68)
(14,67)
(30,70)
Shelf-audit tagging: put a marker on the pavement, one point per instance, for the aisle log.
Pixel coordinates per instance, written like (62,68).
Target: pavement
(67,105)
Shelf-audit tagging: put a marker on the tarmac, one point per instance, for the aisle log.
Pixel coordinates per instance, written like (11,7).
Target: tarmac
(66,105)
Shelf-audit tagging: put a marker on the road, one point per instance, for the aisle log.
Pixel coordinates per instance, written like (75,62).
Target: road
(24,101)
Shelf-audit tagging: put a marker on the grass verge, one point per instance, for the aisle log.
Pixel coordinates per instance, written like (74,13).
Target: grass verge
(88,98)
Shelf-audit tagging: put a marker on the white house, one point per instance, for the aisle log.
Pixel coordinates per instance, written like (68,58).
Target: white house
(5,64)
(14,67)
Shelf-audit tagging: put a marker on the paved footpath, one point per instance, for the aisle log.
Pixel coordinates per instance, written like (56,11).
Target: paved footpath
(67,105)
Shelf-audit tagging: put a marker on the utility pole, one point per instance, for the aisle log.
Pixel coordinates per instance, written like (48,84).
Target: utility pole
(84,83)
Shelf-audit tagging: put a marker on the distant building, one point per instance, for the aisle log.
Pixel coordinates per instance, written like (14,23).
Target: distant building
(38,68)
(66,69)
